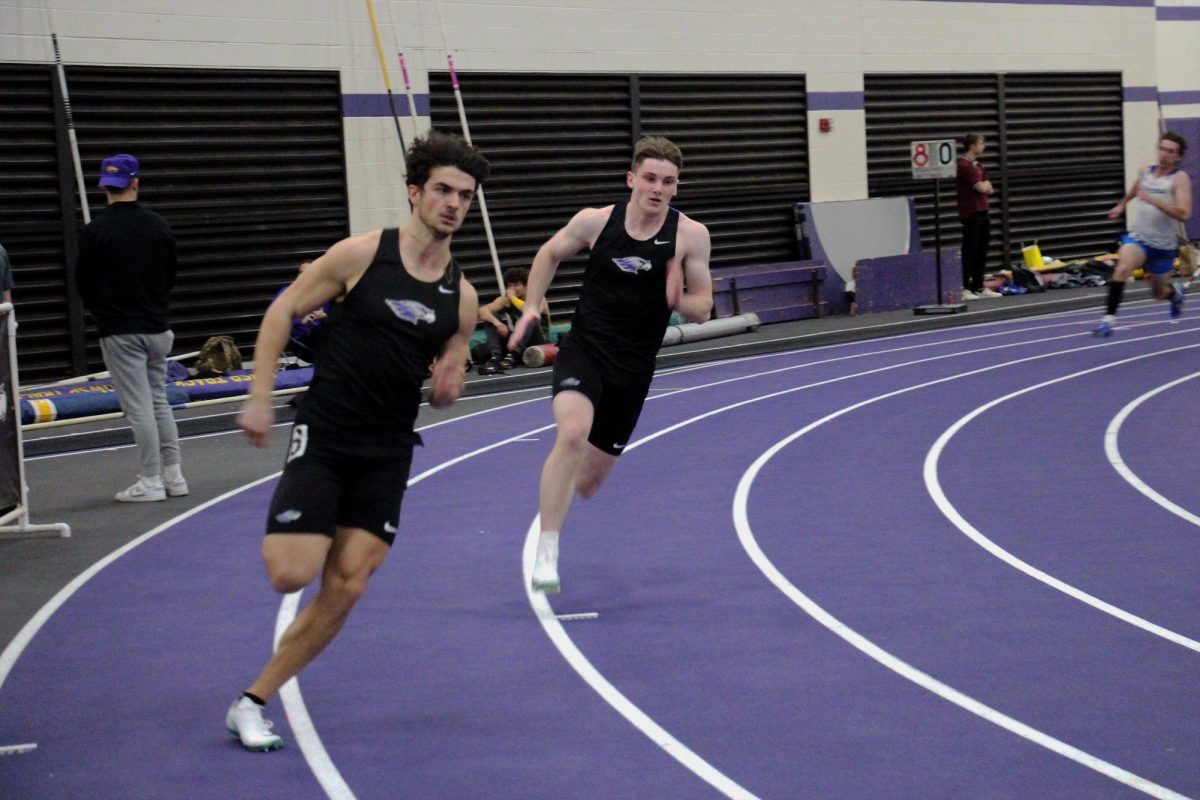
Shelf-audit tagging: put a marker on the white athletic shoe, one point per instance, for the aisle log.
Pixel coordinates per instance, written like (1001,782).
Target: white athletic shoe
(986,292)
(245,722)
(969,295)
(545,573)
(142,492)
(177,488)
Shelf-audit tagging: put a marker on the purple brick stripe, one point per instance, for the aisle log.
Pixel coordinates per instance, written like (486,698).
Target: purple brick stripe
(377,105)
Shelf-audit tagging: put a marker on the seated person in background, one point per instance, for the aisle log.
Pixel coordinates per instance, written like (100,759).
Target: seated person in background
(499,316)
(307,332)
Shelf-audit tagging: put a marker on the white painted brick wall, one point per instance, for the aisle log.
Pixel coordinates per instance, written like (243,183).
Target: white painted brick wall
(833,42)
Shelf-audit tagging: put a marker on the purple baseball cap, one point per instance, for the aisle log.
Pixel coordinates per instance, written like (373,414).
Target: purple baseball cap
(118,171)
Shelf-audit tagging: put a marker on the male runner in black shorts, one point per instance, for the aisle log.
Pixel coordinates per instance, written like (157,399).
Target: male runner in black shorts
(406,306)
(642,254)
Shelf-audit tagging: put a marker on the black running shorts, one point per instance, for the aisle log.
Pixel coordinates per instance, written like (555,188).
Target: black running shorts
(617,402)
(323,487)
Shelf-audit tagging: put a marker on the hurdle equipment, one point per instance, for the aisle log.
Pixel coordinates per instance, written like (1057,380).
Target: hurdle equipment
(14,493)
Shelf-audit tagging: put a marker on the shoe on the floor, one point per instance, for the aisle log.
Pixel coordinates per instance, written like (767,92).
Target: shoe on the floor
(142,492)
(244,721)
(986,292)
(506,363)
(491,367)
(177,488)
(1177,300)
(545,573)
(969,295)
(1103,329)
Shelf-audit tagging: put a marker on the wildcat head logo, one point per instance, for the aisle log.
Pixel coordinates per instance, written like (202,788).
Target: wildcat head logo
(412,311)
(632,264)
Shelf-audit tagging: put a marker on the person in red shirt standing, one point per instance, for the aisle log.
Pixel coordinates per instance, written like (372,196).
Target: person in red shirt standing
(973,189)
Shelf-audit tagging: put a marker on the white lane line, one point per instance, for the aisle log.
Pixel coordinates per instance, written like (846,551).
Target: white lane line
(303,729)
(580,663)
(934,487)
(1113,451)
(611,694)
(884,329)
(14,649)
(1075,334)
(923,679)
(17,646)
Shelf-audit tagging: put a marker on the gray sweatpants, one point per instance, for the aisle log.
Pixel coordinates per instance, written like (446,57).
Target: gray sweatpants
(138,365)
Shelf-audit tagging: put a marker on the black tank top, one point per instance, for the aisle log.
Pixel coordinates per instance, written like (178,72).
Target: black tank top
(623,312)
(383,336)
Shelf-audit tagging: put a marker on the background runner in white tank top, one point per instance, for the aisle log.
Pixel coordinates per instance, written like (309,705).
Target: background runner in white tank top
(1147,223)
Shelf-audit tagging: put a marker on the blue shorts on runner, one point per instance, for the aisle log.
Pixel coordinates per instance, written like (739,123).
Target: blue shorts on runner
(1158,261)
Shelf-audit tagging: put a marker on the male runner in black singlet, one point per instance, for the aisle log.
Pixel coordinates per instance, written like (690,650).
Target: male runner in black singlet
(406,306)
(642,254)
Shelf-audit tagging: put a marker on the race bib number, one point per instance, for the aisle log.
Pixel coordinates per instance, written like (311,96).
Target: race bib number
(299,442)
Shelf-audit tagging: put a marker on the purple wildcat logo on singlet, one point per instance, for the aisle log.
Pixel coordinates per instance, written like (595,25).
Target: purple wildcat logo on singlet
(632,264)
(412,311)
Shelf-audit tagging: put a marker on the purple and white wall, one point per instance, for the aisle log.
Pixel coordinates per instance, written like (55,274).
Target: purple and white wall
(1155,45)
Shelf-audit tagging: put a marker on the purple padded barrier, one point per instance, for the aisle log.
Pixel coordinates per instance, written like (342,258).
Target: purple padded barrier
(892,283)
(903,284)
(833,288)
(77,400)
(775,292)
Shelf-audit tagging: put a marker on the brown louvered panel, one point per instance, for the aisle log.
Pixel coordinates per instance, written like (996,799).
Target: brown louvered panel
(1055,151)
(247,165)
(1065,161)
(745,153)
(560,142)
(31,219)
(901,109)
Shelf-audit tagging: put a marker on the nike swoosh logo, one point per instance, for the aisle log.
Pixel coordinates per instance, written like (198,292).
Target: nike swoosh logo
(656,241)
(444,290)
(389,527)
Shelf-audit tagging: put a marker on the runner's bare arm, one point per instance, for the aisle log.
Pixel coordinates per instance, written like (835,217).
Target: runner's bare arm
(327,277)
(446,383)
(573,237)
(696,301)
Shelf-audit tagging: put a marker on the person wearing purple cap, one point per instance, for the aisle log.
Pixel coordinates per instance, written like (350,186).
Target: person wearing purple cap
(125,271)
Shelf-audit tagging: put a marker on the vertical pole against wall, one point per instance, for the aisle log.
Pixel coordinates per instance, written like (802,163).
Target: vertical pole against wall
(76,324)
(1002,147)
(462,118)
(387,82)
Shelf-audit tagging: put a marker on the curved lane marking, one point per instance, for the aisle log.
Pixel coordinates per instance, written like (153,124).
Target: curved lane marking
(934,487)
(14,649)
(613,696)
(610,693)
(904,669)
(24,636)
(1113,451)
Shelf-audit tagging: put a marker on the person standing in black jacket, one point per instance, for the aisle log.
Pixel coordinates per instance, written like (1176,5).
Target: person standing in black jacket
(125,271)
